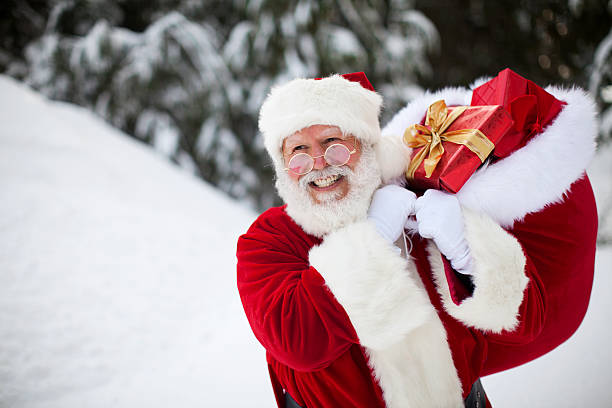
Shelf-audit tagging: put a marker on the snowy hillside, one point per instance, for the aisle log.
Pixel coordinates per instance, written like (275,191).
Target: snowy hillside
(117,281)
(117,271)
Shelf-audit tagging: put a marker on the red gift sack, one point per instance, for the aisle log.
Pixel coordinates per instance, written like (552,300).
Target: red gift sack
(531,108)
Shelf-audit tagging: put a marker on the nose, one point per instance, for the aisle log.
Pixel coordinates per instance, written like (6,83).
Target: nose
(319,162)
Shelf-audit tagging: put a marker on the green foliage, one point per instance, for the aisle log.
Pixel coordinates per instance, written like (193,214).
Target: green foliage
(601,87)
(191,81)
(548,41)
(188,77)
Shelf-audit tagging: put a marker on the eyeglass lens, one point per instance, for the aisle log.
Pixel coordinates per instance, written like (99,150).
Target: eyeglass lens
(335,155)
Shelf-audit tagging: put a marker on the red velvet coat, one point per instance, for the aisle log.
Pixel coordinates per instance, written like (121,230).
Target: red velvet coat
(313,349)
(561,242)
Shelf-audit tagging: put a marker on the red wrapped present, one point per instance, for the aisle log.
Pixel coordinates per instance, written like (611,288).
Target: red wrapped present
(531,108)
(453,143)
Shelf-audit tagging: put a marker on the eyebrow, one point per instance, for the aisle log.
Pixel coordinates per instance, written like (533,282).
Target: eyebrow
(290,145)
(331,131)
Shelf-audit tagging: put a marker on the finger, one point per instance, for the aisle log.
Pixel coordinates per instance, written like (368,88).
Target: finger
(419,204)
(425,231)
(392,188)
(404,193)
(436,194)
(412,225)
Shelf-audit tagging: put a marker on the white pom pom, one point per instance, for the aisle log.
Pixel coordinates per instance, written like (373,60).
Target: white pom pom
(393,157)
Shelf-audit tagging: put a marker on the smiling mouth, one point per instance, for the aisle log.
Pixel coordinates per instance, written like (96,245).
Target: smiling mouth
(326,182)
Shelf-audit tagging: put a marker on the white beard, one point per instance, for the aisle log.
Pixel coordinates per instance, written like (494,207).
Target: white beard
(331,213)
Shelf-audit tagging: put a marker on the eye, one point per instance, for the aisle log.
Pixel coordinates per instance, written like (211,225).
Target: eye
(299,147)
(332,140)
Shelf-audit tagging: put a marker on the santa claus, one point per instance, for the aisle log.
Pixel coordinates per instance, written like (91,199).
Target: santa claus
(353,314)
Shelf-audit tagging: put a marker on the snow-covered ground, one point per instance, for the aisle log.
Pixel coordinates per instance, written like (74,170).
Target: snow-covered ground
(576,374)
(117,281)
(117,271)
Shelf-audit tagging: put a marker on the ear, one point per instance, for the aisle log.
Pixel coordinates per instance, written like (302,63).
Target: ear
(393,157)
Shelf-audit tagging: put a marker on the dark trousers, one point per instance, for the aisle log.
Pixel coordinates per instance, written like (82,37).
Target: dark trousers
(290,402)
(476,399)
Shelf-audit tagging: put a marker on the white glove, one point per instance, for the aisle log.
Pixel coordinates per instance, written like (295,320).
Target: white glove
(438,216)
(391,205)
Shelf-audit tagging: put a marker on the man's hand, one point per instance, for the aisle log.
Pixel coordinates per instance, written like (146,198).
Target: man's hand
(439,218)
(391,205)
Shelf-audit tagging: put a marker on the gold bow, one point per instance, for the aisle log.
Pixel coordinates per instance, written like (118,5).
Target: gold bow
(431,136)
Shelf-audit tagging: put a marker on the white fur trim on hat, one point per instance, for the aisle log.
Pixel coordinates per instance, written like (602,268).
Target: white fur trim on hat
(333,101)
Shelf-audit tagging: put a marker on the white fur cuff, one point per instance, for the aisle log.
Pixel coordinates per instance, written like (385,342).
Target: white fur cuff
(498,276)
(377,287)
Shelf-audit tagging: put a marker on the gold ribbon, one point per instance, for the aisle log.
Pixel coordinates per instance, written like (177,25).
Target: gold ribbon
(431,137)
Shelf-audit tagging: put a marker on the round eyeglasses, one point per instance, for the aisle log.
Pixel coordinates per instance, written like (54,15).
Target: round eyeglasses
(335,155)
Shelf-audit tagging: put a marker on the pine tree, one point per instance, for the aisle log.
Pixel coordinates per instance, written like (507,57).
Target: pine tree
(601,86)
(191,81)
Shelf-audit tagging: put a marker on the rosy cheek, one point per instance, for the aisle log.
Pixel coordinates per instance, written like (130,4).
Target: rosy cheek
(354,159)
(292,175)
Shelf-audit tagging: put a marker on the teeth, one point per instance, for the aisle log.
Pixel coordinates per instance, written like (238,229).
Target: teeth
(327,181)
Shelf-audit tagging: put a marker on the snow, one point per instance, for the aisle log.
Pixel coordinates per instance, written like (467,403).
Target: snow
(188,64)
(235,50)
(288,26)
(40,54)
(600,62)
(303,13)
(605,122)
(577,373)
(344,42)
(117,271)
(88,49)
(606,94)
(266,31)
(419,21)
(576,6)
(117,280)
(396,45)
(599,172)
(296,68)
(165,137)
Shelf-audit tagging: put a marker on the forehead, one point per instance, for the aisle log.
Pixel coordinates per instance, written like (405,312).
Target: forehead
(312,133)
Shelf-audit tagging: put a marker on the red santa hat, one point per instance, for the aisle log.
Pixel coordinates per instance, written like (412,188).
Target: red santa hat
(347,101)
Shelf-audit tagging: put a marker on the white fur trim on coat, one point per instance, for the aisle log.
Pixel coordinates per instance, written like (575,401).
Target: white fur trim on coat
(392,315)
(418,372)
(373,283)
(498,275)
(540,173)
(532,177)
(333,101)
